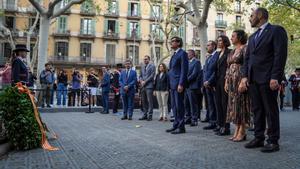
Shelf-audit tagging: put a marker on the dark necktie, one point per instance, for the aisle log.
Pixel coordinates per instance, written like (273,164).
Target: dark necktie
(257,34)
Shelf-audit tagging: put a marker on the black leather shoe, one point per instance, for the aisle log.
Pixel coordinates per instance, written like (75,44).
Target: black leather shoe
(124,118)
(269,148)
(188,122)
(204,121)
(172,120)
(210,127)
(255,143)
(143,118)
(194,124)
(149,118)
(130,118)
(217,129)
(170,130)
(223,132)
(104,112)
(178,131)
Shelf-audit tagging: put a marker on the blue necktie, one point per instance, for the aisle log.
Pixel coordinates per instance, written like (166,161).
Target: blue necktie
(257,35)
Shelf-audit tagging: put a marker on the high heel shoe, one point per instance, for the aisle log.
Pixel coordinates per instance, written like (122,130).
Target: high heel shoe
(232,138)
(244,138)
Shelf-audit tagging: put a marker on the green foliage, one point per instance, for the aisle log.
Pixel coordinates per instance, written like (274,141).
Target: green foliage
(289,18)
(19,121)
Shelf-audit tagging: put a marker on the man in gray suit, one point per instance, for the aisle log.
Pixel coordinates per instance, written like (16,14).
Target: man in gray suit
(147,85)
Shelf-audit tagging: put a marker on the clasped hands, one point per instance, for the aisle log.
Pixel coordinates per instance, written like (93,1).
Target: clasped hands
(243,86)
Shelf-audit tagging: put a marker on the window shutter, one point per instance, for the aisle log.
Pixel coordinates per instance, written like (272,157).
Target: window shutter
(59,25)
(93,28)
(105,26)
(139,30)
(129,9)
(139,9)
(81,26)
(117,7)
(117,27)
(128,29)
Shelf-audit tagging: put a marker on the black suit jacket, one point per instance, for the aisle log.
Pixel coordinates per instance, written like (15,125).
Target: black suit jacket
(19,71)
(222,67)
(162,84)
(266,57)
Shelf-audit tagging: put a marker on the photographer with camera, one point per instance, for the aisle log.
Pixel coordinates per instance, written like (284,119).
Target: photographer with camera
(76,82)
(46,80)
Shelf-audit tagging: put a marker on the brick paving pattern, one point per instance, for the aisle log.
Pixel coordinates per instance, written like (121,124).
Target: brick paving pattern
(96,141)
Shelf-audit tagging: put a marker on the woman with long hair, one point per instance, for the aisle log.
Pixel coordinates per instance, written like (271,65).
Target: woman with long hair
(162,91)
(238,110)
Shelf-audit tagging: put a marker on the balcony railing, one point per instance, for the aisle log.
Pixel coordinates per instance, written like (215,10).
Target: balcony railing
(239,25)
(88,12)
(132,37)
(10,7)
(85,59)
(238,10)
(87,34)
(112,13)
(62,33)
(220,24)
(111,35)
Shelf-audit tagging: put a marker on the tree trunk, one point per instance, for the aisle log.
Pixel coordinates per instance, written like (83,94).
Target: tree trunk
(202,29)
(43,43)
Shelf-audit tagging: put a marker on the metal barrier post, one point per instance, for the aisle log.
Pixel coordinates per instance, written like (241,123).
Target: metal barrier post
(90,108)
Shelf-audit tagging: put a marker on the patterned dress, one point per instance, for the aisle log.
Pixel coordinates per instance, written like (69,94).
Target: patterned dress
(238,110)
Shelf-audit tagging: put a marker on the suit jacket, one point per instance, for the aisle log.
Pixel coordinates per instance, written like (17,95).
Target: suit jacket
(209,69)
(129,81)
(178,66)
(147,75)
(105,84)
(193,74)
(162,83)
(222,67)
(266,57)
(19,71)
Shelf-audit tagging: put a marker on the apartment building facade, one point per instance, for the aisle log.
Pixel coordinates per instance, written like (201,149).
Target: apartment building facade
(85,37)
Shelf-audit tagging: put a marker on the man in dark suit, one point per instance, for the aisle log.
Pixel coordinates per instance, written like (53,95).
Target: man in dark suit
(209,82)
(295,88)
(115,85)
(263,71)
(19,66)
(105,84)
(192,90)
(128,80)
(178,69)
(147,85)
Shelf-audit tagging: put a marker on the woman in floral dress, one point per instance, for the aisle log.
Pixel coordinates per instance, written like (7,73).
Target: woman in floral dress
(238,110)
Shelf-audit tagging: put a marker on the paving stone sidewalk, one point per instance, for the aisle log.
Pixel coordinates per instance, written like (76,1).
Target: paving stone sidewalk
(96,141)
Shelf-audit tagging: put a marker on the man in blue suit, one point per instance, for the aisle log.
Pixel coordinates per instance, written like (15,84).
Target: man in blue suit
(128,79)
(192,90)
(105,84)
(178,76)
(262,73)
(209,83)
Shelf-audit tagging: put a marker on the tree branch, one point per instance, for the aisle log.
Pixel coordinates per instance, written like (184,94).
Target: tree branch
(52,6)
(38,7)
(65,8)
(292,5)
(8,32)
(205,11)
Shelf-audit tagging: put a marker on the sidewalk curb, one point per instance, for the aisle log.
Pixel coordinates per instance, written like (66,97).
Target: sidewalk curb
(5,148)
